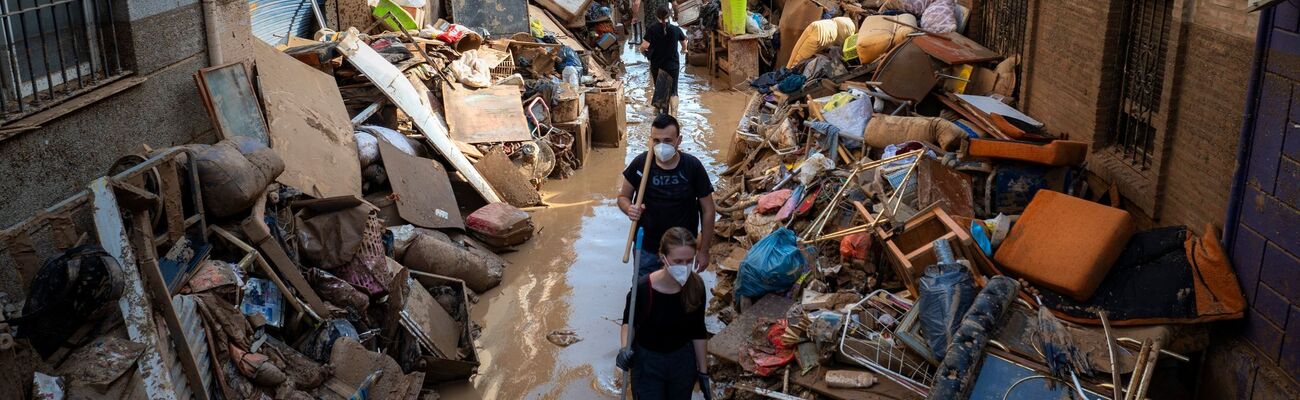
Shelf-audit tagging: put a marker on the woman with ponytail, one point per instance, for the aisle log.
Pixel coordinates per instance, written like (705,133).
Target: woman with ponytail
(668,353)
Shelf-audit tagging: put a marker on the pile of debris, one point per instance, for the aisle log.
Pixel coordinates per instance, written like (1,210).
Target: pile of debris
(891,225)
(332,243)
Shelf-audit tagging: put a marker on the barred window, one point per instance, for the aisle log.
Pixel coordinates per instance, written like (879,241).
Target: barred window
(1144,39)
(52,50)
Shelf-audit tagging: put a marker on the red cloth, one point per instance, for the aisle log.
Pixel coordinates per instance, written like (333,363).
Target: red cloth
(772,201)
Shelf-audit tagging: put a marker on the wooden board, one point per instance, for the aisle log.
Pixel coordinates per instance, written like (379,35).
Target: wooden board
(953,48)
(232,104)
(421,188)
(569,12)
(310,129)
(488,115)
(498,18)
(508,180)
(405,94)
(550,25)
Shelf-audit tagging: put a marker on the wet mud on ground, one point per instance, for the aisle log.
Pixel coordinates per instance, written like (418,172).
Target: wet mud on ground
(571,275)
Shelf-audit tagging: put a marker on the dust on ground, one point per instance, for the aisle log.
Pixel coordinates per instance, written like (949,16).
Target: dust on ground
(571,275)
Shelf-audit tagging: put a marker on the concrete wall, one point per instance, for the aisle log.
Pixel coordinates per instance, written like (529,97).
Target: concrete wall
(1071,77)
(163,41)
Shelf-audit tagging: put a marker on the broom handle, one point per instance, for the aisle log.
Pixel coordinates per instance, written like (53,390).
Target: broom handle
(640,198)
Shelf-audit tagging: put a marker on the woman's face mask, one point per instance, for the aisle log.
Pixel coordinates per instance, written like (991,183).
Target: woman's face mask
(680,261)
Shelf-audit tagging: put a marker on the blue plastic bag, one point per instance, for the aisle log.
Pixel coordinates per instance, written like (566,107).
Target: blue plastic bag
(771,266)
(947,291)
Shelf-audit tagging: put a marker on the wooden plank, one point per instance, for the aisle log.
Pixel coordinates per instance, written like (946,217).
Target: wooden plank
(570,12)
(142,238)
(403,93)
(260,235)
(488,115)
(310,129)
(953,48)
(137,312)
(549,24)
(423,192)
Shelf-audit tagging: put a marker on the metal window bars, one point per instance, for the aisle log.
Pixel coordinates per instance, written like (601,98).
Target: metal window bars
(51,50)
(869,338)
(1000,25)
(1144,39)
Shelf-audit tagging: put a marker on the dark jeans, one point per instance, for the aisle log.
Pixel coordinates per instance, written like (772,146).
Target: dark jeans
(647,263)
(657,376)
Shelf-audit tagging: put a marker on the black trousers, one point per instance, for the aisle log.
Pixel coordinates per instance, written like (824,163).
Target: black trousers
(664,376)
(665,87)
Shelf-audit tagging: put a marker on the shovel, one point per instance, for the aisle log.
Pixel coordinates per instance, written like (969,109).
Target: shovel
(631,309)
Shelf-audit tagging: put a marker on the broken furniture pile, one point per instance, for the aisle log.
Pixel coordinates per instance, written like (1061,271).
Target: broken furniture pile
(331,244)
(893,226)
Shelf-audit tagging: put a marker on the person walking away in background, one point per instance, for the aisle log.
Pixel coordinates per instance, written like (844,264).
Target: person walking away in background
(667,355)
(678,194)
(663,43)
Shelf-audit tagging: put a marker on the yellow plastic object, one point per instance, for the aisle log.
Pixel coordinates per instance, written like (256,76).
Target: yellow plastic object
(733,16)
(838,100)
(878,35)
(850,48)
(535,25)
(406,21)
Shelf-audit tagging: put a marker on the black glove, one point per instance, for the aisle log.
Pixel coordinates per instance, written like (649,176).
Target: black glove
(624,358)
(706,385)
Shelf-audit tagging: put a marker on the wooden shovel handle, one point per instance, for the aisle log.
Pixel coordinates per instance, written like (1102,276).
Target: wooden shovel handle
(640,198)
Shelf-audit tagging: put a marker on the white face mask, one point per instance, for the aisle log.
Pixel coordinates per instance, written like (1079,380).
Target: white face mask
(665,152)
(680,272)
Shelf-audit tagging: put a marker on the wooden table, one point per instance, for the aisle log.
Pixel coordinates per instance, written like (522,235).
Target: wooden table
(735,55)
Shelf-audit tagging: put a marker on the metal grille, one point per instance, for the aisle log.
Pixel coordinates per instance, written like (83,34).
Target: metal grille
(870,339)
(1000,26)
(1144,38)
(51,50)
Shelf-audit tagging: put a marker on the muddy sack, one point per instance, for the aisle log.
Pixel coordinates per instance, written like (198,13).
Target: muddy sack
(429,254)
(884,130)
(771,266)
(234,173)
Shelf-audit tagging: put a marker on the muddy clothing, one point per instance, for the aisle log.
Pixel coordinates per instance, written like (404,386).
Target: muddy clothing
(672,197)
(662,324)
(664,41)
(665,89)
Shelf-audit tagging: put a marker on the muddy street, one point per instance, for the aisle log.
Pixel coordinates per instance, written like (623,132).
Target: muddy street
(571,275)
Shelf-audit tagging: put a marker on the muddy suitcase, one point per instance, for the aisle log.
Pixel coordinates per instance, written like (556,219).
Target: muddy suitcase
(500,225)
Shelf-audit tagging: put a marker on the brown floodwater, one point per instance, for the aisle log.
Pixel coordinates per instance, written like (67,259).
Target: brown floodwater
(571,274)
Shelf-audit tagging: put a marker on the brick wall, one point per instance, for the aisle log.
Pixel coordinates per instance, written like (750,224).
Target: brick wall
(1071,79)
(1264,245)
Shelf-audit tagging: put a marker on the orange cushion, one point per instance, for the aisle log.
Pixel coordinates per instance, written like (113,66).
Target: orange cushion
(1057,153)
(1065,243)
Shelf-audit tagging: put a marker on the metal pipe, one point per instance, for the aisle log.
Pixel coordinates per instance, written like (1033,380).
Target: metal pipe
(209,11)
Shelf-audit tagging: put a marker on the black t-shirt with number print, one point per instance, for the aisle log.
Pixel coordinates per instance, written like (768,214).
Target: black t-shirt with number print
(672,196)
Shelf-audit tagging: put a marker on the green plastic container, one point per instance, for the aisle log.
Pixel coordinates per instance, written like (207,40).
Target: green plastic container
(404,18)
(733,16)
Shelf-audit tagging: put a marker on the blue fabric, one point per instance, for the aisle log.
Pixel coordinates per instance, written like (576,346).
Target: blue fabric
(791,83)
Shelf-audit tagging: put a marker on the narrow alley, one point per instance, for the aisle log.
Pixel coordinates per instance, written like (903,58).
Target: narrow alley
(571,275)
(839,199)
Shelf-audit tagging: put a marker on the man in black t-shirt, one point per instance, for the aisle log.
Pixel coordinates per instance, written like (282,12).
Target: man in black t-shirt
(661,44)
(678,194)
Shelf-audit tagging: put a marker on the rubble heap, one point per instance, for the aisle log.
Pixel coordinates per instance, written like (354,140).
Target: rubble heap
(331,243)
(890,225)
